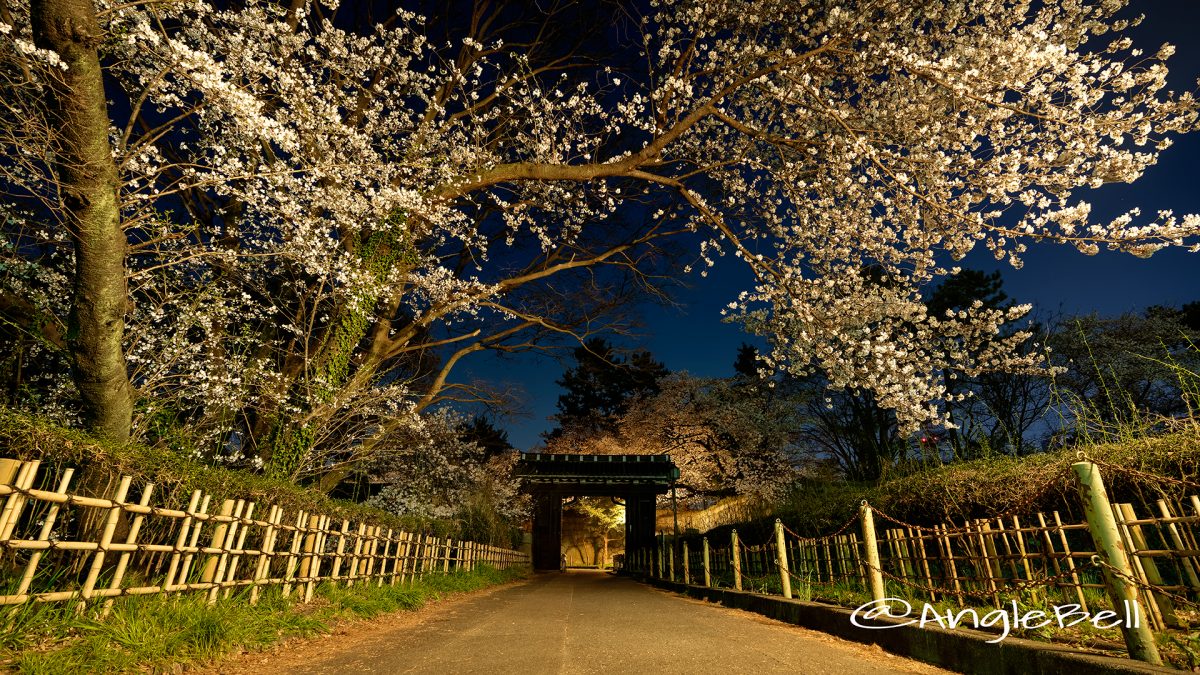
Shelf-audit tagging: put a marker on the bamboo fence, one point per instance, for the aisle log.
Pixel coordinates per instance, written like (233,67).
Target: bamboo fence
(977,562)
(60,546)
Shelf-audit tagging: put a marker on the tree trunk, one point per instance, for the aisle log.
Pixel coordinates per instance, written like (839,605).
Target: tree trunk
(88,192)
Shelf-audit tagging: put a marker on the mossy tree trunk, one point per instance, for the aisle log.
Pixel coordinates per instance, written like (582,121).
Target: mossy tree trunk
(90,210)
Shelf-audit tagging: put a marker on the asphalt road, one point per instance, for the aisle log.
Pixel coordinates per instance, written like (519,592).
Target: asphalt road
(590,622)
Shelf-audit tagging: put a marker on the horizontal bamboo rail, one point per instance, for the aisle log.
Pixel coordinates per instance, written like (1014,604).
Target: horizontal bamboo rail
(75,548)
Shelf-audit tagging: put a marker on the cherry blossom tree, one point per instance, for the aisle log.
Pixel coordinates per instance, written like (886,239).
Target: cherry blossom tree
(314,204)
(728,437)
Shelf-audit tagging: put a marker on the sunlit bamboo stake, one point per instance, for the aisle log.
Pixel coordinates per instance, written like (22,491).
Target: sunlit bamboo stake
(310,567)
(131,538)
(386,560)
(44,534)
(874,568)
(239,546)
(707,567)
(671,560)
(987,553)
(226,545)
(785,577)
(1020,539)
(1062,539)
(856,559)
(406,543)
(1099,513)
(293,553)
(1158,606)
(263,565)
(359,550)
(446,560)
(341,550)
(15,504)
(923,562)
(398,565)
(1008,550)
(735,557)
(687,568)
(1149,566)
(215,542)
(185,570)
(1189,570)
(114,514)
(950,565)
(1050,555)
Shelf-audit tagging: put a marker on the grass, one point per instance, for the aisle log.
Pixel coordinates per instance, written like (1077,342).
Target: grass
(154,633)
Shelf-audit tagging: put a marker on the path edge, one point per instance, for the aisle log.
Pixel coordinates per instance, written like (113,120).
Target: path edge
(963,651)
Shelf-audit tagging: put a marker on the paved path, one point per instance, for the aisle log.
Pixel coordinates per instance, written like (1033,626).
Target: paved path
(590,622)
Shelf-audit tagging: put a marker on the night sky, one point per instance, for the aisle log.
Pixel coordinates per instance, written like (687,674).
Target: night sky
(1056,279)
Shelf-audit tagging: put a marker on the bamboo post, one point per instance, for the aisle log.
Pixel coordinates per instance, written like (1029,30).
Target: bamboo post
(1117,571)
(446,560)
(1020,539)
(707,570)
(1062,538)
(950,567)
(1145,567)
(397,574)
(785,577)
(341,550)
(389,556)
(356,557)
(1189,571)
(25,473)
(262,566)
(687,568)
(991,560)
(405,545)
(922,560)
(871,544)
(215,541)
(239,547)
(856,558)
(110,525)
(984,564)
(735,557)
(671,560)
(1008,550)
(44,534)
(311,565)
(293,551)
(131,538)
(185,570)
(226,544)
(658,556)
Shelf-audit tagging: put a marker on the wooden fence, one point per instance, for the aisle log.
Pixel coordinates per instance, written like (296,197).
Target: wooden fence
(66,547)
(1150,559)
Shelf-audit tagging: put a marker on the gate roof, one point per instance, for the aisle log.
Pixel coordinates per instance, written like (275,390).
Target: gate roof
(596,474)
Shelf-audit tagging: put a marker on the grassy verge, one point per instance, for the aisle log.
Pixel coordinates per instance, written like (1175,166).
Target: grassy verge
(153,633)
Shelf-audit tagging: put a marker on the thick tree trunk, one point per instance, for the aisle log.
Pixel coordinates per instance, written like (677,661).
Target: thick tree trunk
(90,210)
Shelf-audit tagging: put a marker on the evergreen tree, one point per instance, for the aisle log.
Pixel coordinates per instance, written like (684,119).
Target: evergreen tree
(600,386)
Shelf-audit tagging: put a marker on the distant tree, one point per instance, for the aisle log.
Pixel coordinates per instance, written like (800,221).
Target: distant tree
(992,410)
(483,433)
(862,438)
(746,365)
(726,439)
(961,291)
(1119,368)
(599,387)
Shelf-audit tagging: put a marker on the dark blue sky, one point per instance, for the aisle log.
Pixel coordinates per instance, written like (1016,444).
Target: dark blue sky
(1055,279)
